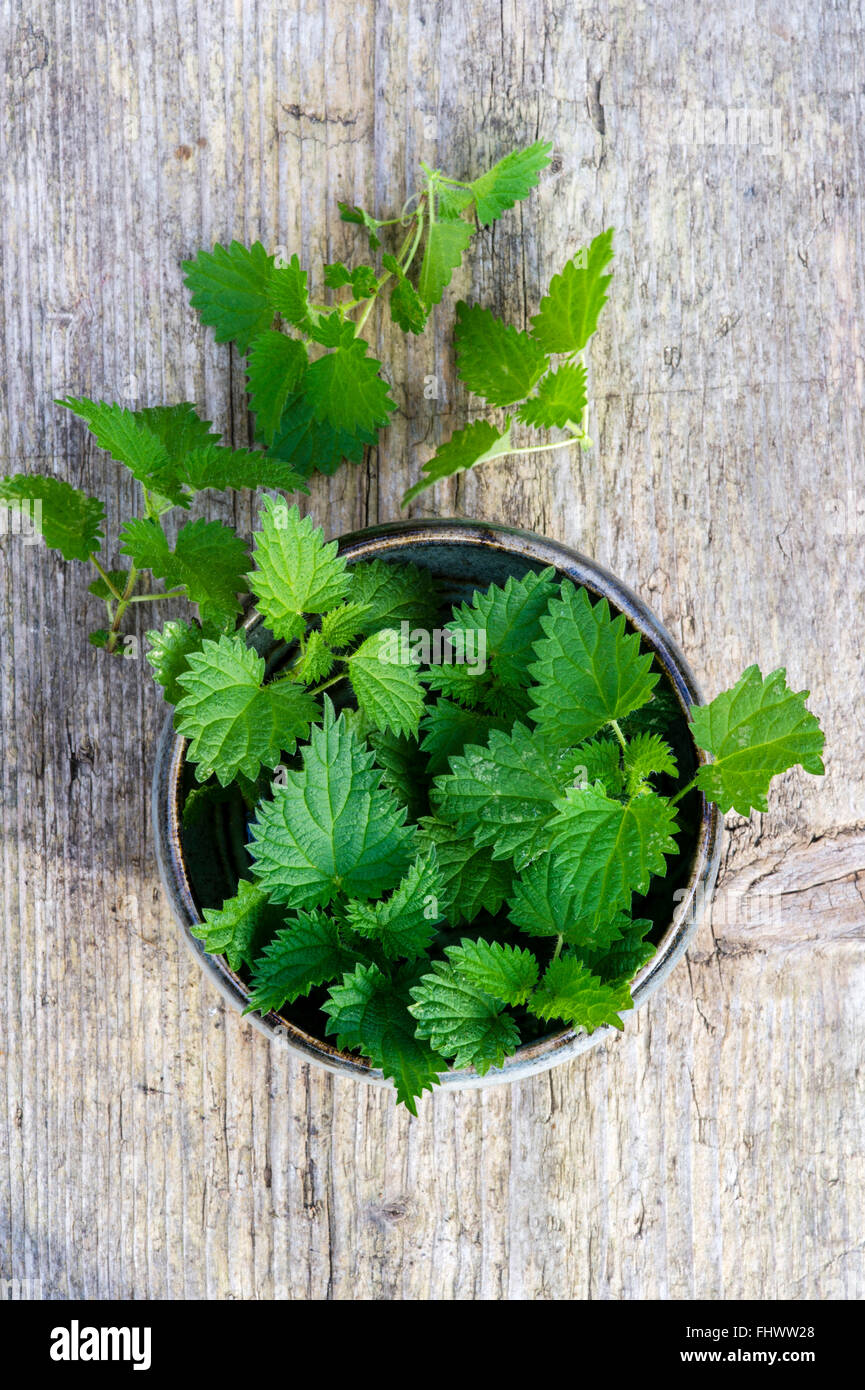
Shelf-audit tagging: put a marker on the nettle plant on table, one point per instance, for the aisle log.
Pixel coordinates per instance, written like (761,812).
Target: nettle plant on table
(316,393)
(449,854)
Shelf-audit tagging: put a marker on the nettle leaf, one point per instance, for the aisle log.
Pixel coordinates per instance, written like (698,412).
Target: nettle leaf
(472,880)
(122,434)
(754,731)
(332,828)
(235,723)
(219,467)
(607,850)
(363,278)
(342,625)
(287,292)
(495,360)
(67,519)
(181,430)
(559,401)
(209,560)
(349,213)
(647,755)
(461,1021)
(407,309)
(296,571)
(369,1012)
(386,683)
(543,903)
(275,366)
(311,444)
(622,958)
(306,952)
(473,444)
(508,973)
(404,924)
(510,180)
(345,389)
(241,927)
(99,588)
(170,649)
(230,288)
(447,727)
(317,661)
(510,620)
(505,794)
(589,669)
(599,760)
(568,314)
(393,594)
(445,244)
(571,992)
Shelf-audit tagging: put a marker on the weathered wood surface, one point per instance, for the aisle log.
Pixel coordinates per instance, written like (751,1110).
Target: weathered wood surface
(153,1145)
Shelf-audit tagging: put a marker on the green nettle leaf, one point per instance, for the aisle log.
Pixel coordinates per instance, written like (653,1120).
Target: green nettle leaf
(181,430)
(571,992)
(754,731)
(472,880)
(345,389)
(505,794)
(661,715)
(510,620)
(209,561)
(349,213)
(332,828)
(363,278)
(386,683)
(241,927)
(509,973)
(495,360)
(122,434)
(446,242)
(512,179)
(405,923)
(310,444)
(287,292)
(342,625)
(317,661)
(569,312)
(622,958)
(230,288)
(99,588)
(369,1012)
(461,1021)
(218,467)
(235,723)
(296,571)
(559,401)
(99,637)
(170,649)
(306,952)
(542,903)
(68,520)
(407,309)
(473,444)
(447,727)
(599,760)
(647,755)
(275,368)
(607,850)
(393,594)
(589,669)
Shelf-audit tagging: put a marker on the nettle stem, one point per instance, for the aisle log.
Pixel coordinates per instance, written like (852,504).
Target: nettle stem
(614,725)
(124,599)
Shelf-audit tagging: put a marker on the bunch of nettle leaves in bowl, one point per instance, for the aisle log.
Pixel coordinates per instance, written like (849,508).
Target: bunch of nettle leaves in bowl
(435,810)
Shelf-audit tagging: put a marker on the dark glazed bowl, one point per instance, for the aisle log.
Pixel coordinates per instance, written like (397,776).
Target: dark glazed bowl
(463,556)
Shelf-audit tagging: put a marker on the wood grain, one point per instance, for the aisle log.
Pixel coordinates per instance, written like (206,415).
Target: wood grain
(151,1145)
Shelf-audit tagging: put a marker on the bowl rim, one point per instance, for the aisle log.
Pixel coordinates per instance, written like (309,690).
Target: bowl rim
(374,542)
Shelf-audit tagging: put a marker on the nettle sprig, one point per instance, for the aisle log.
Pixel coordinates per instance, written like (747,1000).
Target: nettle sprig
(450,860)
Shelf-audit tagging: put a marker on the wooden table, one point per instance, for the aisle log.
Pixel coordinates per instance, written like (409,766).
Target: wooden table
(153,1145)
